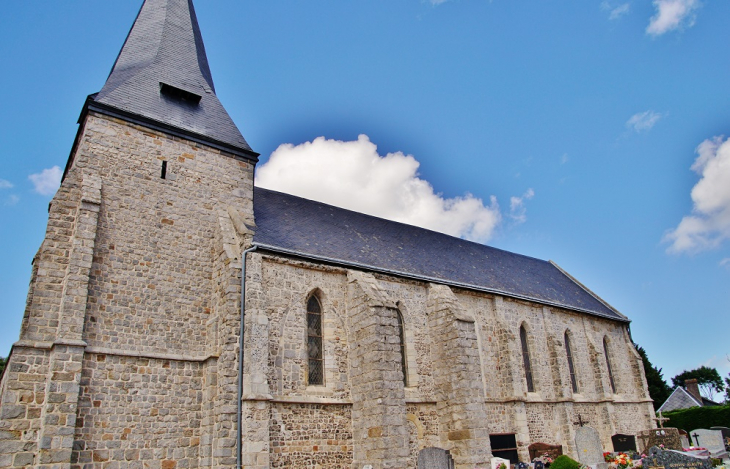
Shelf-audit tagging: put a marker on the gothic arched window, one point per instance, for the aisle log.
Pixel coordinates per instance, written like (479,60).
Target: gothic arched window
(402,340)
(608,365)
(314,341)
(571,367)
(526,359)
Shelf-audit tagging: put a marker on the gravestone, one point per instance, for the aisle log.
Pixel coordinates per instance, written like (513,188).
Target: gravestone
(435,458)
(712,440)
(669,437)
(496,462)
(536,450)
(669,459)
(623,443)
(588,444)
(684,438)
(725,435)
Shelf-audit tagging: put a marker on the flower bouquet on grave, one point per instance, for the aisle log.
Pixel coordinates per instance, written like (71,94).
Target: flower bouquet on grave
(620,461)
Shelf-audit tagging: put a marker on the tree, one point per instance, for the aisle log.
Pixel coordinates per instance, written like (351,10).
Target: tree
(2,365)
(659,391)
(708,379)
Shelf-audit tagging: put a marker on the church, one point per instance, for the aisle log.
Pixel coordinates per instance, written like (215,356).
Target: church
(179,317)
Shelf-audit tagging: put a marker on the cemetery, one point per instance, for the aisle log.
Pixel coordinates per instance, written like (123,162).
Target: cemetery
(657,448)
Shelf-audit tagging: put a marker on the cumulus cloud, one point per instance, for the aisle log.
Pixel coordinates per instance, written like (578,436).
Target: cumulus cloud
(47,181)
(642,121)
(11,200)
(671,15)
(5,184)
(709,224)
(615,11)
(354,176)
(517,209)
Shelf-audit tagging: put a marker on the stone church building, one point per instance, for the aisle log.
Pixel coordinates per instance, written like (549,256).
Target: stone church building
(364,340)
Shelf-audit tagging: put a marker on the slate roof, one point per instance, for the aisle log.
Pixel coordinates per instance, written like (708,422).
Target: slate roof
(679,399)
(292,225)
(165,46)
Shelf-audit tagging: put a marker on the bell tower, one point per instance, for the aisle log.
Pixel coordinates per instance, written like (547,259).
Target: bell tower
(128,346)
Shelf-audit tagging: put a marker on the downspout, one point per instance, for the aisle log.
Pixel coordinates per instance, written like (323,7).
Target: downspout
(239,430)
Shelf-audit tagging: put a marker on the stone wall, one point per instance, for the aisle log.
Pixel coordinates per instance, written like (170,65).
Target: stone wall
(134,268)
(550,414)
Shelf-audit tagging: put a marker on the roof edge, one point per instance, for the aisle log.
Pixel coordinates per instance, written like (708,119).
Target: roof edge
(278,250)
(92,105)
(589,291)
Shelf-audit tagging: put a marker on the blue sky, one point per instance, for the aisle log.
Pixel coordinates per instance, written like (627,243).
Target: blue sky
(560,130)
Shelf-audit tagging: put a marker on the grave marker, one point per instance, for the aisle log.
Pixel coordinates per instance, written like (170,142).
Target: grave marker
(623,443)
(436,458)
(670,459)
(712,440)
(669,437)
(588,444)
(538,449)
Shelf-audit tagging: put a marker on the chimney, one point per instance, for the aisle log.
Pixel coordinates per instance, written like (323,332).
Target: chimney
(691,386)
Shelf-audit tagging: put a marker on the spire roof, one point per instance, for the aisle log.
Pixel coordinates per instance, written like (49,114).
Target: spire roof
(162,78)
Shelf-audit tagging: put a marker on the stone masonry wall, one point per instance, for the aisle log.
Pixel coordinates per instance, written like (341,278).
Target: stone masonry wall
(550,414)
(126,271)
(311,435)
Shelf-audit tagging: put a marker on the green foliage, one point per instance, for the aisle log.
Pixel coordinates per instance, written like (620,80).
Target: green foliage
(659,390)
(699,417)
(707,378)
(565,462)
(2,365)
(727,390)
(716,462)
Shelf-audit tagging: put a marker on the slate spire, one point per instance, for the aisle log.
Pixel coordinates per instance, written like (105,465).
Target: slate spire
(161,78)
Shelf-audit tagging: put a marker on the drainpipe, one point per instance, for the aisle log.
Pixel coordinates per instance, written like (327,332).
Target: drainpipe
(239,430)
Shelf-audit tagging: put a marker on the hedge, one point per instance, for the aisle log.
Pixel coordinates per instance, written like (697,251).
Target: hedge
(699,417)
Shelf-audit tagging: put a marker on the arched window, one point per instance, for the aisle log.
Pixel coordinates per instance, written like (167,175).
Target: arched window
(571,367)
(526,359)
(608,365)
(314,341)
(402,339)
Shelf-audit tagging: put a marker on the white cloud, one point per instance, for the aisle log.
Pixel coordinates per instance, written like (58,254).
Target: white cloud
(353,175)
(642,121)
(5,184)
(47,181)
(616,11)
(517,209)
(564,159)
(672,14)
(709,224)
(725,263)
(11,200)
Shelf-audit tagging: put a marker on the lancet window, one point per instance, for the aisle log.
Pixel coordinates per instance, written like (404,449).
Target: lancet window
(402,339)
(608,365)
(526,359)
(314,341)
(571,367)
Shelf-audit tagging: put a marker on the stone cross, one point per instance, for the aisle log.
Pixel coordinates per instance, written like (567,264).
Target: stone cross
(660,419)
